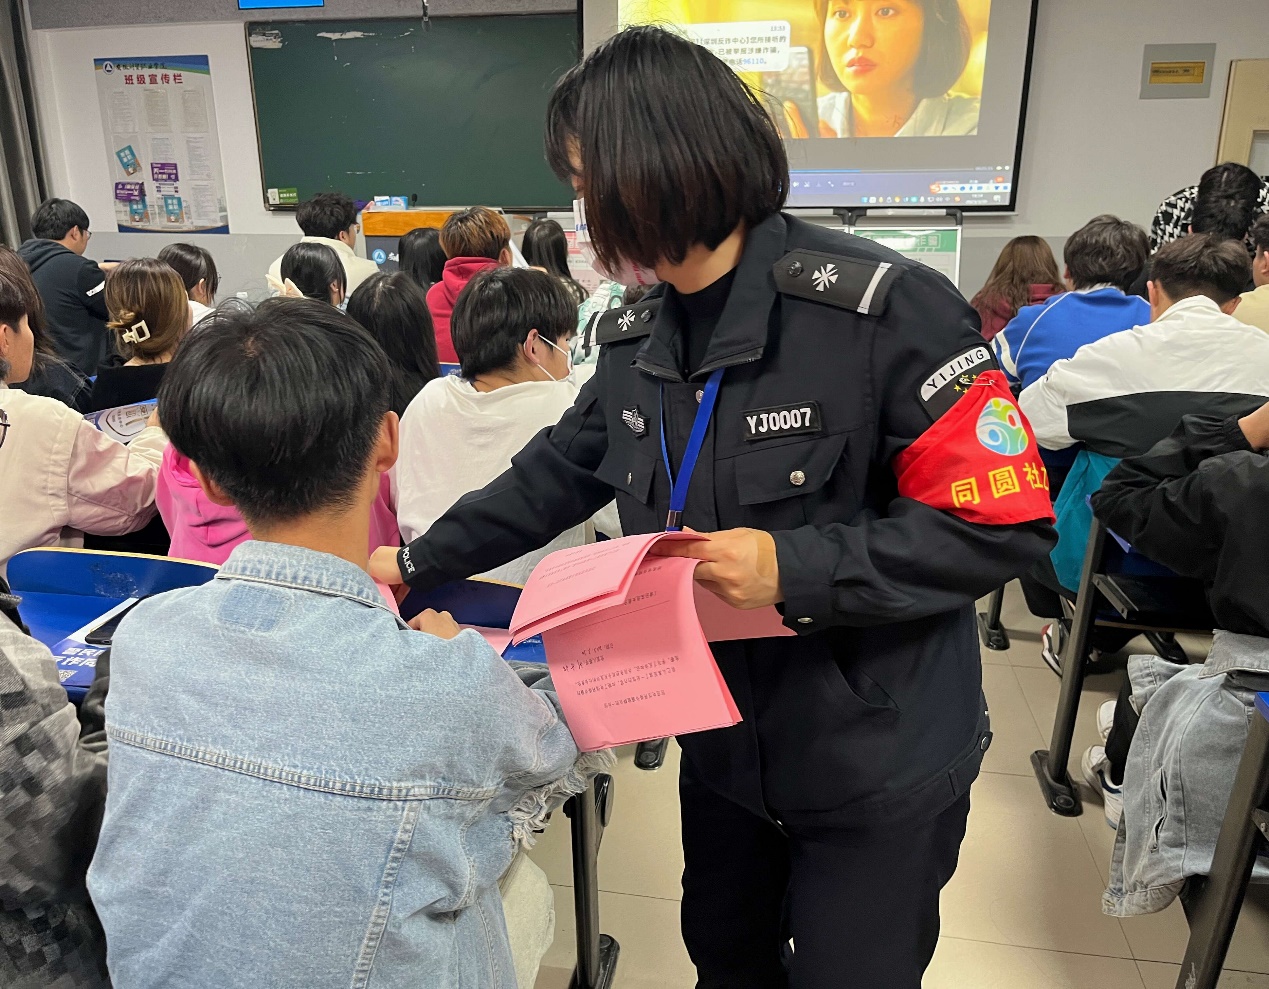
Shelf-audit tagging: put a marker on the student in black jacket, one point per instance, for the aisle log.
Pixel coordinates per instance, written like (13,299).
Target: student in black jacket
(71,285)
(1194,503)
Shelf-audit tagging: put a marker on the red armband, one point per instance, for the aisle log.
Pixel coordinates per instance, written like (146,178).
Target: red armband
(979,461)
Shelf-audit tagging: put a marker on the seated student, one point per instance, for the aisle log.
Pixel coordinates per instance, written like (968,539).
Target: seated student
(1121,394)
(1102,258)
(197,269)
(1194,502)
(206,531)
(330,218)
(50,376)
(512,328)
(52,791)
(1024,274)
(70,284)
(1253,306)
(149,312)
(313,271)
(58,471)
(546,247)
(473,239)
(422,257)
(1176,214)
(393,308)
(306,791)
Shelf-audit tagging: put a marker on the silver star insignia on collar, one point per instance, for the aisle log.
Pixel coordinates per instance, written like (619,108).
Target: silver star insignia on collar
(626,322)
(824,277)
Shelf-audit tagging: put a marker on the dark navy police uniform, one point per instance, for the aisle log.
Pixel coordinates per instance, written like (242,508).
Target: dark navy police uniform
(833,813)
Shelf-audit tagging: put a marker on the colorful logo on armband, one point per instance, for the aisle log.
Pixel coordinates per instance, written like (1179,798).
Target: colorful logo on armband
(1000,428)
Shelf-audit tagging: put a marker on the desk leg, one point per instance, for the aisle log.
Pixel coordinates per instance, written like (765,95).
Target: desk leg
(596,952)
(1214,912)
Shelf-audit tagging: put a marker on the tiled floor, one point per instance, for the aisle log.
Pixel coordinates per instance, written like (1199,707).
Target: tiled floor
(1022,911)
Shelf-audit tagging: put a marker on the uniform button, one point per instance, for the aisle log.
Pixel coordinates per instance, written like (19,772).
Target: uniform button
(984,742)
(646,315)
(795,269)
(630,478)
(805,621)
(700,395)
(797,478)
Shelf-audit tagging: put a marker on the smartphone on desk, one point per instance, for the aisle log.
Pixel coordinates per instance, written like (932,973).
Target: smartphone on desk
(104,634)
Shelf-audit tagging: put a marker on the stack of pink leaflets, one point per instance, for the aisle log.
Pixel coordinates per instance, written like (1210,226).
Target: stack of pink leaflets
(627,640)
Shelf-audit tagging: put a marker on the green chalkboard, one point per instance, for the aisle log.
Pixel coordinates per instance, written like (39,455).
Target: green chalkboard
(451,113)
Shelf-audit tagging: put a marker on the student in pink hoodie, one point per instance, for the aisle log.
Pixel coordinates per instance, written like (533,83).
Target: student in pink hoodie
(204,531)
(473,239)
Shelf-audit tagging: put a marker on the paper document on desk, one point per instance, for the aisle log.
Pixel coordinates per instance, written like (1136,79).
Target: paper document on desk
(123,422)
(626,638)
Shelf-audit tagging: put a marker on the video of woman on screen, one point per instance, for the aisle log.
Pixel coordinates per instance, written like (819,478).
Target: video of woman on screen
(846,68)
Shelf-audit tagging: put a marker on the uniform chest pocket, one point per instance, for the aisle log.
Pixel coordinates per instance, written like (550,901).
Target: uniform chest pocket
(627,471)
(790,470)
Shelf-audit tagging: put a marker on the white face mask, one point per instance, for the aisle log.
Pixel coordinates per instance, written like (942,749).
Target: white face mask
(626,273)
(567,356)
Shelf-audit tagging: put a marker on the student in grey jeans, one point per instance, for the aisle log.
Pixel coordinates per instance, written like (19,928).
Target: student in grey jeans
(303,791)
(1196,502)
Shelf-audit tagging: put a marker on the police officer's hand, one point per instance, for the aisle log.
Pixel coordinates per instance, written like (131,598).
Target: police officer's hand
(383,566)
(739,565)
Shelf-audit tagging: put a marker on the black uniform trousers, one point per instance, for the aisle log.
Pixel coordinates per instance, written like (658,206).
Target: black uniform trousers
(861,906)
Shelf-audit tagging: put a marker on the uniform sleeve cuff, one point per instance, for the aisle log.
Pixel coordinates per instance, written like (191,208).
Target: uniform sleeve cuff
(417,569)
(805,580)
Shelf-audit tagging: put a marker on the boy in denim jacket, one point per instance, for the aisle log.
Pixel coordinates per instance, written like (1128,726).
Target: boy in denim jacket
(304,791)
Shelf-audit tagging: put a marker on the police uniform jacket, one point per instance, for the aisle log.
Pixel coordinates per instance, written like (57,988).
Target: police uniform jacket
(838,353)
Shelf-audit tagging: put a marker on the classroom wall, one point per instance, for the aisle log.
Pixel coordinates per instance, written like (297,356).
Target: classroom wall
(1091,145)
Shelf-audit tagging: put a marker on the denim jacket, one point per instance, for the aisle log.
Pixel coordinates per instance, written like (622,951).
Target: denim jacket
(1180,770)
(303,792)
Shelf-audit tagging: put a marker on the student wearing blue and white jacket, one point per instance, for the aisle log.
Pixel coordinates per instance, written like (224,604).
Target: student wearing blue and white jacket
(1102,259)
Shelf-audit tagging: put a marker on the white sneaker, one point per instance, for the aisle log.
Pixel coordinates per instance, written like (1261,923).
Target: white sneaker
(1097,774)
(1105,719)
(1052,639)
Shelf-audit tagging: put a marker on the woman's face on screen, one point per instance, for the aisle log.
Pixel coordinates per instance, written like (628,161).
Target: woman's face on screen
(874,45)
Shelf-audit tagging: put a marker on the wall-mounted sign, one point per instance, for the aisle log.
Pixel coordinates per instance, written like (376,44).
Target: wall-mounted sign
(1177,72)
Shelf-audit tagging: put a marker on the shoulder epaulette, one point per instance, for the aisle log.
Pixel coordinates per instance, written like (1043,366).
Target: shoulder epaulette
(848,283)
(628,323)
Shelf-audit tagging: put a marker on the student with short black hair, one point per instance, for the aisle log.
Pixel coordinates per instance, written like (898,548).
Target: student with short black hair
(330,218)
(432,762)
(197,269)
(1228,182)
(422,257)
(315,272)
(1254,305)
(149,314)
(474,240)
(546,247)
(1103,258)
(71,285)
(393,308)
(512,328)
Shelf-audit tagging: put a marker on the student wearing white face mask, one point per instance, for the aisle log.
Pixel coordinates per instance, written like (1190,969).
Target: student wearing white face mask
(511,328)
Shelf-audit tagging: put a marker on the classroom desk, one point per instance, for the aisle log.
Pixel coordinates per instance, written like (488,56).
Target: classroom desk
(1213,908)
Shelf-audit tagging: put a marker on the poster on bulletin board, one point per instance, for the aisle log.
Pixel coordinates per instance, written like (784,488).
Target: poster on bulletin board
(162,149)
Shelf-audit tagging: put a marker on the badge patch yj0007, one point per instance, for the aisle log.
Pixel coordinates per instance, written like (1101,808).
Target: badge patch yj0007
(795,419)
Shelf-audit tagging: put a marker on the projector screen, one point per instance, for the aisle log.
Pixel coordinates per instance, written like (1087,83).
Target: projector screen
(895,103)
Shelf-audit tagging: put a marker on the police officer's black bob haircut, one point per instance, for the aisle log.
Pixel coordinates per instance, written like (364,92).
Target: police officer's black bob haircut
(674,149)
(280,406)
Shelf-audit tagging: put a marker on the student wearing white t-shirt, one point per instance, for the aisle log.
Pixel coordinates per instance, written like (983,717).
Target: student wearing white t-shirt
(511,328)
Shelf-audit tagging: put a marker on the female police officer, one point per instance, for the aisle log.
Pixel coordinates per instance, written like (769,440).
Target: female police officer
(833,813)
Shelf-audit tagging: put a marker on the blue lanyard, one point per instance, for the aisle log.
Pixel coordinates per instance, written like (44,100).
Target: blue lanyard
(679,485)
